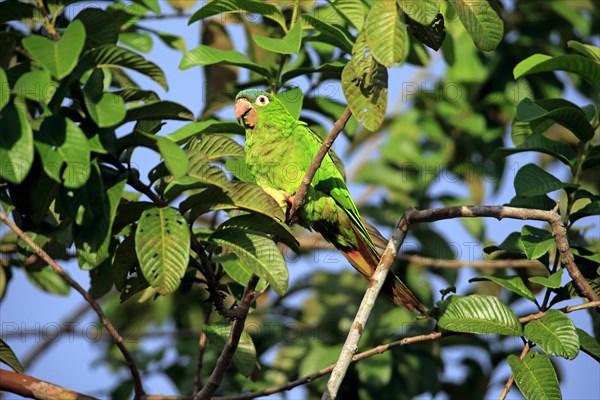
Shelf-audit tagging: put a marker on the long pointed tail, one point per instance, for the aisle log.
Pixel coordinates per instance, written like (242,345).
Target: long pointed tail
(393,287)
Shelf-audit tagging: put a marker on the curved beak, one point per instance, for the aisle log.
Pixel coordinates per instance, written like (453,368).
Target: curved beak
(242,106)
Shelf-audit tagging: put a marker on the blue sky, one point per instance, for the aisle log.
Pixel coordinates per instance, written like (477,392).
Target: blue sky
(26,308)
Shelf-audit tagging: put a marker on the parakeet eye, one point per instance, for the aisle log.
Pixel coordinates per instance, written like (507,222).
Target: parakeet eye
(262,100)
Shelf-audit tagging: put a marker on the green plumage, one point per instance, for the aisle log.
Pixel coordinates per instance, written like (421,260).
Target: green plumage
(279,151)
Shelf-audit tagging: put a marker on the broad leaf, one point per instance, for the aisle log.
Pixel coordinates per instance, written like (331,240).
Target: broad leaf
(8,357)
(245,355)
(536,242)
(352,10)
(386,33)
(106,109)
(35,85)
(365,86)
(102,26)
(162,245)
(215,147)
(4,92)
(58,58)
(554,333)
(423,11)
(232,6)
(538,143)
(158,111)
(589,344)
(205,55)
(289,44)
(255,222)
(245,196)
(258,253)
(327,33)
(553,281)
(513,283)
(532,180)
(16,143)
(59,141)
(590,209)
(237,270)
(561,111)
(482,20)
(479,314)
(210,126)
(535,376)
(49,281)
(588,69)
(591,52)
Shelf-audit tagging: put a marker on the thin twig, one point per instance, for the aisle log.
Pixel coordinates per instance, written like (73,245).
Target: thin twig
(48,25)
(382,349)
(299,196)
(511,378)
(499,212)
(28,386)
(139,390)
(375,284)
(226,357)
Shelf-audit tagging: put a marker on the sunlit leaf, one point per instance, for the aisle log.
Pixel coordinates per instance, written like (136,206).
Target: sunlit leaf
(16,143)
(386,33)
(245,355)
(535,376)
(482,20)
(162,245)
(553,281)
(513,283)
(554,333)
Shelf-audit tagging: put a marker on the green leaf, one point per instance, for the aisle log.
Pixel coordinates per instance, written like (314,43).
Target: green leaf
(561,151)
(514,283)
(4,89)
(590,209)
(173,41)
(535,376)
(327,33)
(289,44)
(49,281)
(245,355)
(553,281)
(386,33)
(232,6)
(424,11)
(536,241)
(238,270)
(58,58)
(531,180)
(365,82)
(560,111)
(554,333)
(216,147)
(113,56)
(158,111)
(258,253)
(589,344)
(205,55)
(141,42)
(431,35)
(583,66)
(102,24)
(174,157)
(59,141)
(16,143)
(245,196)
(36,86)
(8,357)
(210,126)
(259,223)
(292,99)
(106,109)
(162,245)
(482,20)
(352,10)
(591,52)
(479,314)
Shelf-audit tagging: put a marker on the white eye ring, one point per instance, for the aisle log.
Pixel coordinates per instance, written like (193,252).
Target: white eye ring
(262,100)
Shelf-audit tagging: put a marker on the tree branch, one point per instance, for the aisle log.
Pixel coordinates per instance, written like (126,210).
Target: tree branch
(375,284)
(139,390)
(28,386)
(511,378)
(499,212)
(48,25)
(228,352)
(382,349)
(298,198)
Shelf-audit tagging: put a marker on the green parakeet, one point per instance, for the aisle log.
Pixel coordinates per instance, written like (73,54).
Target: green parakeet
(279,150)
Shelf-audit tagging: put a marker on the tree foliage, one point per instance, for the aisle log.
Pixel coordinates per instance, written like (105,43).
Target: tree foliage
(176,248)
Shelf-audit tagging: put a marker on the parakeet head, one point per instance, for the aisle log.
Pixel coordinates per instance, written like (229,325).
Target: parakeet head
(254,105)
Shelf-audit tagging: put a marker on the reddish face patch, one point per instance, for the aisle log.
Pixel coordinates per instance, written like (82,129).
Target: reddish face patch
(244,109)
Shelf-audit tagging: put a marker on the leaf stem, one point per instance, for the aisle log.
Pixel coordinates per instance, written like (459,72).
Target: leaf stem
(48,24)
